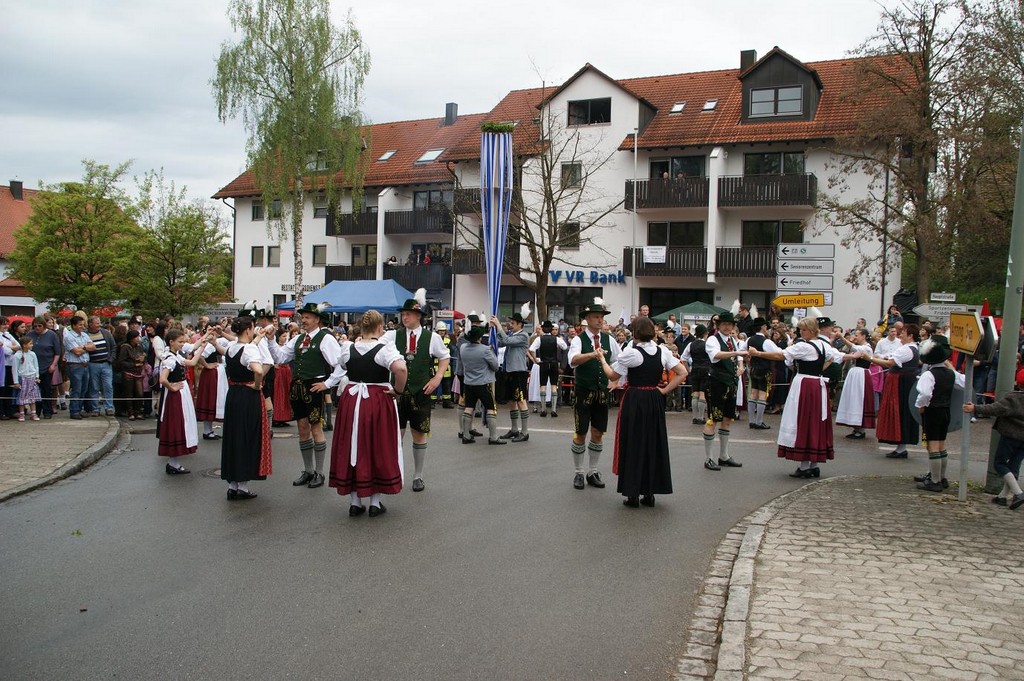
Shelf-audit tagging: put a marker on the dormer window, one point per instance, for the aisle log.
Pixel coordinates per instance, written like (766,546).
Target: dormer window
(430,155)
(710,105)
(387,154)
(677,107)
(777,101)
(590,111)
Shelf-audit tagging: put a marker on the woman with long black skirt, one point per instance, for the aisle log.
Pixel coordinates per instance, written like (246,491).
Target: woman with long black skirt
(245,447)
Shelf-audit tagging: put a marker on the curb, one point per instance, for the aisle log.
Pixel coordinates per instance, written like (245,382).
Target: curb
(79,463)
(716,644)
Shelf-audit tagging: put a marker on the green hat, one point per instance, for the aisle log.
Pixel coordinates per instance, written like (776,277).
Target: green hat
(726,318)
(758,322)
(319,310)
(475,333)
(935,350)
(825,322)
(596,307)
(417,303)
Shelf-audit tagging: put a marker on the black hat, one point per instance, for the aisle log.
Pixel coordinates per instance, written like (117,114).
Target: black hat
(758,322)
(935,350)
(523,314)
(310,308)
(726,318)
(546,325)
(596,307)
(475,333)
(825,322)
(474,318)
(416,303)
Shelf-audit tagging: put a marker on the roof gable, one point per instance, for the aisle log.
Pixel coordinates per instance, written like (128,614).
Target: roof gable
(590,68)
(778,53)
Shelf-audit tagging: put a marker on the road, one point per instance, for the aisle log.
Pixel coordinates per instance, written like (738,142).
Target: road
(499,570)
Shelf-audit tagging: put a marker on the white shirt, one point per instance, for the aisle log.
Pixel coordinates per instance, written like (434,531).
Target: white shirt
(713,347)
(576,347)
(438,349)
(535,345)
(249,353)
(385,357)
(926,385)
(329,348)
(632,357)
(805,352)
(885,347)
(903,354)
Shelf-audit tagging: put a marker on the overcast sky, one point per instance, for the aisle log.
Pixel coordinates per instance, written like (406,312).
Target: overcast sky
(116,80)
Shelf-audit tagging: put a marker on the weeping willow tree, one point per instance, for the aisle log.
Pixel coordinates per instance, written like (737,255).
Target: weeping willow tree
(295,79)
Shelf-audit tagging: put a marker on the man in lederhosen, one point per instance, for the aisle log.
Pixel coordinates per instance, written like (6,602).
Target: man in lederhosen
(420,347)
(760,372)
(545,349)
(516,363)
(590,407)
(446,376)
(473,319)
(696,356)
(720,391)
(314,354)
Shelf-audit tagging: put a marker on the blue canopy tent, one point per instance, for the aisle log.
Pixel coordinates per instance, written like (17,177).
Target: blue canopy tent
(357,296)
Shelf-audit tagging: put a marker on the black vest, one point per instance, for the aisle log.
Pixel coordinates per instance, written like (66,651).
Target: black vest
(236,371)
(699,355)
(548,350)
(811,367)
(943,392)
(648,374)
(363,368)
(758,365)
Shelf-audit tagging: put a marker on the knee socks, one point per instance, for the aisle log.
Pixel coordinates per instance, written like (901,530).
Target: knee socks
(419,453)
(723,444)
(1010,484)
(320,450)
(709,439)
(945,460)
(492,424)
(516,416)
(577,456)
(524,415)
(935,465)
(467,424)
(756,408)
(701,406)
(306,449)
(594,450)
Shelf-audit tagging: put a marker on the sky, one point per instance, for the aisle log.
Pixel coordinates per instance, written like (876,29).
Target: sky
(118,80)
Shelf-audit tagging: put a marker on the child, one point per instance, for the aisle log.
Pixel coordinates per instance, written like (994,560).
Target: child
(934,393)
(1009,413)
(176,427)
(26,378)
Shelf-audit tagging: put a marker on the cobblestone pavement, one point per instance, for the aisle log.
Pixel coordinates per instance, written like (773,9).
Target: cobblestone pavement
(870,578)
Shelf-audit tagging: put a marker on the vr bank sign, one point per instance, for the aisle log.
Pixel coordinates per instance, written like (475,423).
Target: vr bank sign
(587,277)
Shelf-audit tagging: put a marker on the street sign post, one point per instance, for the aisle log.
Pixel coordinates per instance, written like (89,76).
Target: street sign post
(938,310)
(804,251)
(803,282)
(805,266)
(792,300)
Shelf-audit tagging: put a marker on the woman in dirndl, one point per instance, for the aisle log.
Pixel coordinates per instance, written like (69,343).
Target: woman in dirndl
(366,455)
(245,448)
(805,434)
(641,439)
(176,426)
(213,387)
(857,401)
(896,423)
(282,382)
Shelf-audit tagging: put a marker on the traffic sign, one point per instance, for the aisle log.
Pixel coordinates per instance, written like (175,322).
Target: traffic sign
(938,311)
(791,300)
(805,251)
(965,331)
(804,266)
(942,297)
(803,282)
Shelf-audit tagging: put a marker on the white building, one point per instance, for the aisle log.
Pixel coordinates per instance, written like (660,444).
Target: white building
(724,166)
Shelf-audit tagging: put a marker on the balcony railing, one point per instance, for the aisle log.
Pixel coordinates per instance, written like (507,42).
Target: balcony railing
(680,261)
(350,273)
(685,192)
(467,200)
(745,261)
(413,277)
(736,191)
(433,221)
(347,224)
(471,260)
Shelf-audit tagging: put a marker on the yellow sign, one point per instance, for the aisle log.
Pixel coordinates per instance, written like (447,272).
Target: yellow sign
(965,332)
(800,300)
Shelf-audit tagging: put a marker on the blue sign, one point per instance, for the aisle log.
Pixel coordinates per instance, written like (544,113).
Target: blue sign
(587,277)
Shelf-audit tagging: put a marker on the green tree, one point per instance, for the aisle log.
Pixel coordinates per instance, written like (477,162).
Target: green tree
(184,267)
(81,244)
(296,81)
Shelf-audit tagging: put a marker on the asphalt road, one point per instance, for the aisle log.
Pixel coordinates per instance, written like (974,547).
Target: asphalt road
(499,570)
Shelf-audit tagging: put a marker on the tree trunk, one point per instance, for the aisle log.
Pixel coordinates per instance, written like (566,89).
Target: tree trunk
(922,274)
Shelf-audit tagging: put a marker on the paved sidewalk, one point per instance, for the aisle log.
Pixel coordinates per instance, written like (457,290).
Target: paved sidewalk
(36,453)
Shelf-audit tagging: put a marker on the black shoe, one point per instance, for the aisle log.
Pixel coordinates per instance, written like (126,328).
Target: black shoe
(927,477)
(447,405)
(497,441)
(470,440)
(244,494)
(171,470)
(521,437)
(801,473)
(317,481)
(578,482)
(896,455)
(647,500)
(729,463)
(303,479)
(1016,502)
(475,433)
(377,510)
(594,480)
(356,510)
(510,434)
(632,502)
(211,436)
(764,426)
(279,424)
(711,465)
(930,486)
(855,435)
(544,414)
(417,485)
(814,472)
(328,427)
(999,501)
(232,493)
(698,422)
(554,414)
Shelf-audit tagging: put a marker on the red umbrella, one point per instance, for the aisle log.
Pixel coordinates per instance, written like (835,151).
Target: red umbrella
(285,313)
(64,314)
(20,318)
(984,309)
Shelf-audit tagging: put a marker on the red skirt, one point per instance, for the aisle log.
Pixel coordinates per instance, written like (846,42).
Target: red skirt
(896,424)
(378,467)
(282,403)
(206,396)
(814,435)
(170,430)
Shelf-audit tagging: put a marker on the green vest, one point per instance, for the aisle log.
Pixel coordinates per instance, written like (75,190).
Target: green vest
(590,375)
(421,366)
(310,363)
(724,370)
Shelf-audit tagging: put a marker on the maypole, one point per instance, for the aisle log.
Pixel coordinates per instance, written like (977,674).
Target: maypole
(495,204)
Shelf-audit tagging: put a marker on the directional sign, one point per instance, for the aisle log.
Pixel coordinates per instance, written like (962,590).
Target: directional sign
(805,266)
(937,311)
(792,300)
(806,251)
(965,331)
(803,282)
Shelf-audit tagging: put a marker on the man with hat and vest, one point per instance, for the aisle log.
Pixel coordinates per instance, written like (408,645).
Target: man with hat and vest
(516,364)
(934,401)
(474,320)
(316,357)
(834,370)
(590,407)
(720,391)
(760,371)
(696,357)
(445,388)
(545,349)
(420,347)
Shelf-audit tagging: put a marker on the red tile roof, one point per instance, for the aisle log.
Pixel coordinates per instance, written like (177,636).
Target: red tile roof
(13,214)
(518,106)
(13,287)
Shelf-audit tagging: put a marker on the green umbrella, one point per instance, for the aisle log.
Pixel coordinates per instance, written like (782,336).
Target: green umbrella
(696,308)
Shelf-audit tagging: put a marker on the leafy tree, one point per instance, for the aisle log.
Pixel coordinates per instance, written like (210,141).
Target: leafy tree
(186,264)
(81,244)
(296,80)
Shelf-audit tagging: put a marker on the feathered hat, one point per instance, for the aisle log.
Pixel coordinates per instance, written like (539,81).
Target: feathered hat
(523,314)
(475,318)
(319,310)
(597,307)
(824,321)
(936,349)
(417,303)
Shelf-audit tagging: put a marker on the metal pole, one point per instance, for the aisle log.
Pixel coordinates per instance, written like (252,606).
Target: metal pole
(633,303)
(885,244)
(1011,309)
(965,435)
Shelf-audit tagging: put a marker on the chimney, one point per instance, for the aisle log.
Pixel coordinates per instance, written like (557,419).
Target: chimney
(451,113)
(16,190)
(747,59)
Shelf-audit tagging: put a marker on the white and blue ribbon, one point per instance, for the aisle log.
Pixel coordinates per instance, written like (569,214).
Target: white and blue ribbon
(496,207)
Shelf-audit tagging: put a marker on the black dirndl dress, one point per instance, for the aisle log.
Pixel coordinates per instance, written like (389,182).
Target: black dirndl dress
(245,447)
(641,439)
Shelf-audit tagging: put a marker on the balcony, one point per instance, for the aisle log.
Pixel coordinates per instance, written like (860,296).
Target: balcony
(431,221)
(412,277)
(350,273)
(471,260)
(347,224)
(680,261)
(745,261)
(686,192)
(739,191)
(467,200)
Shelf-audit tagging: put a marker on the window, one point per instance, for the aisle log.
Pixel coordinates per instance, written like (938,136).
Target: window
(257,257)
(710,105)
(275,209)
(435,199)
(678,166)
(590,111)
(257,210)
(273,256)
(572,174)
(569,235)
(279,299)
(677,107)
(387,154)
(777,101)
(319,256)
(774,163)
(320,207)
(317,161)
(675,233)
(430,155)
(772,232)
(364,255)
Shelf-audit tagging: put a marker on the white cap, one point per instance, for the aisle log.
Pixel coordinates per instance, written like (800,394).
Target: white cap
(440,326)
